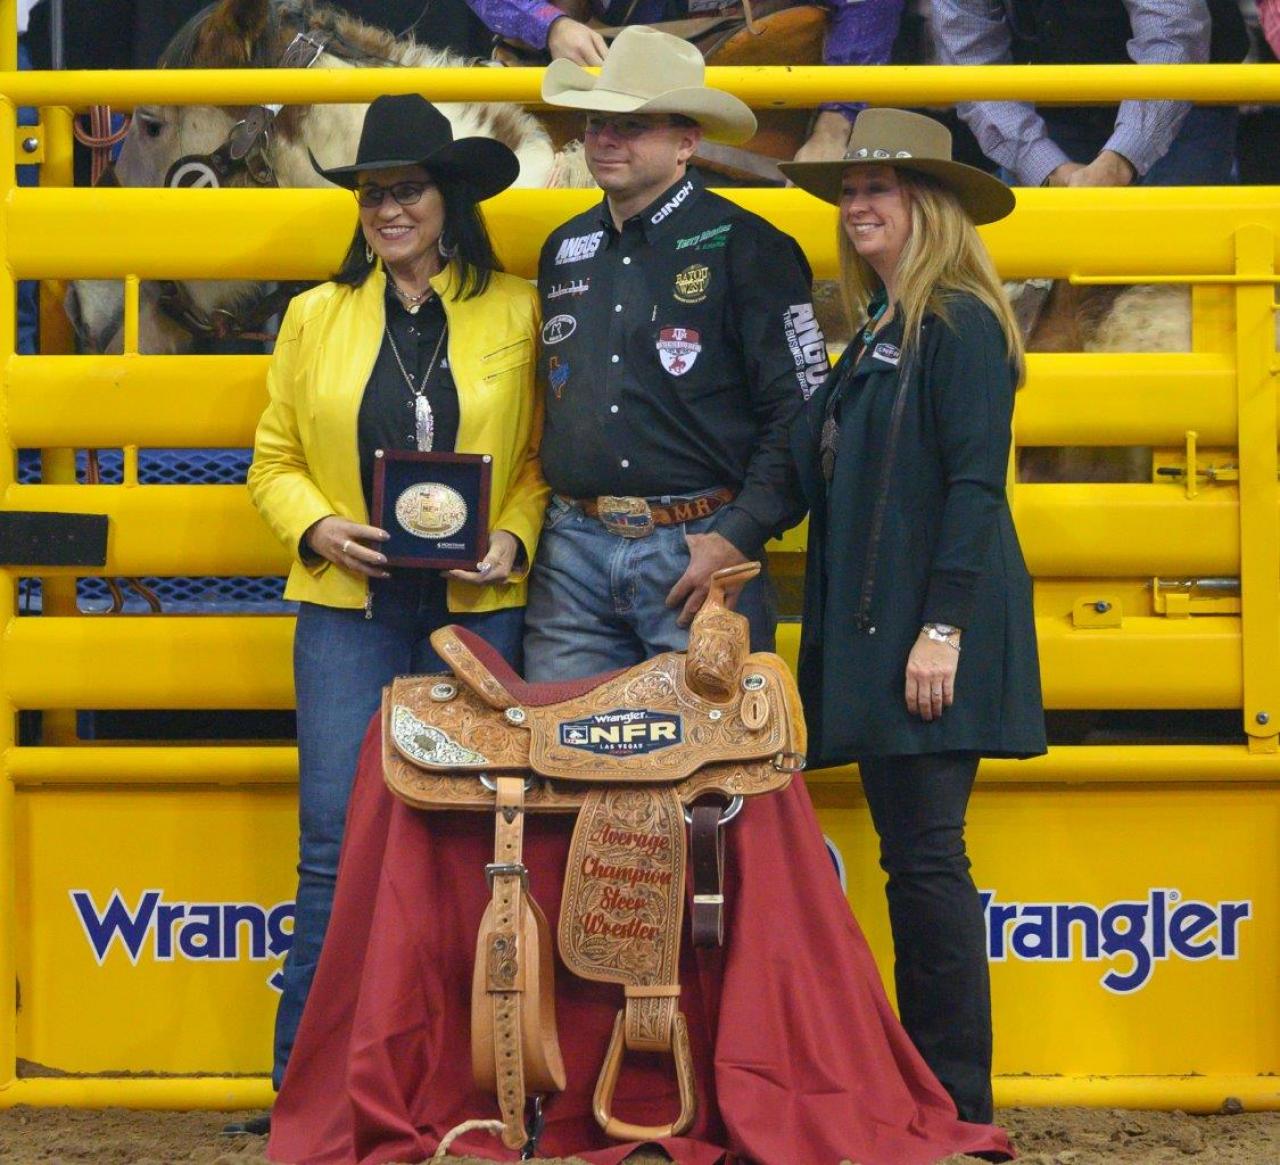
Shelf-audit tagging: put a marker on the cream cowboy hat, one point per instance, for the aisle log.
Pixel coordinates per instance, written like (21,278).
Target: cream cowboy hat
(910,141)
(648,71)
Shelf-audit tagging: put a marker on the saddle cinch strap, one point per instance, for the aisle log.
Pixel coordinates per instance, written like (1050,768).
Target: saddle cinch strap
(630,752)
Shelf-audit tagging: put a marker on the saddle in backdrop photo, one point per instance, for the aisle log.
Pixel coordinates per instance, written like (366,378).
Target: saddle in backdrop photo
(751,32)
(636,754)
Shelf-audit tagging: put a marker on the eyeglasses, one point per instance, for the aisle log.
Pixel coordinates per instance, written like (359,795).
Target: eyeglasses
(626,128)
(405,193)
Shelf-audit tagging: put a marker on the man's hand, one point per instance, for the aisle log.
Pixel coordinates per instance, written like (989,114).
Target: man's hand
(707,554)
(1107,169)
(829,139)
(572,41)
(496,565)
(1061,176)
(345,544)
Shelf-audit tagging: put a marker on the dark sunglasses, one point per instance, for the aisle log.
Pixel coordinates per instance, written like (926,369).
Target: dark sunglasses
(627,128)
(405,193)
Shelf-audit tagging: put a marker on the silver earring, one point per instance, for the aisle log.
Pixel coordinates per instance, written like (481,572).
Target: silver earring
(368,253)
(446,253)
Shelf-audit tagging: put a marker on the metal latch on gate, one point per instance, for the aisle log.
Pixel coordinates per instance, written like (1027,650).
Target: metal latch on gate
(1218,466)
(1180,598)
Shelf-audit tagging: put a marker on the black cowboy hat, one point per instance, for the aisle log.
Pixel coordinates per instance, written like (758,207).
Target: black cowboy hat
(409,131)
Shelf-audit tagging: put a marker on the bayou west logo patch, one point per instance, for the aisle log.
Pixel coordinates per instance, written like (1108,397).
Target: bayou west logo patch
(623,732)
(692,283)
(678,348)
(558,328)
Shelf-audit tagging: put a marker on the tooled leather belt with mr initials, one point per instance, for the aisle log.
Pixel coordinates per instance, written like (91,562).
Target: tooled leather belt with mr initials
(636,517)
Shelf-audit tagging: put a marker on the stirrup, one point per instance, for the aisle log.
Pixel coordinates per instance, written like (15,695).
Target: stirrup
(602,1101)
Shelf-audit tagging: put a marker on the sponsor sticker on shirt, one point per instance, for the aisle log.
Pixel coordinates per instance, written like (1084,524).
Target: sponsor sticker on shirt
(678,348)
(889,353)
(808,346)
(573,287)
(692,283)
(557,375)
(578,248)
(558,328)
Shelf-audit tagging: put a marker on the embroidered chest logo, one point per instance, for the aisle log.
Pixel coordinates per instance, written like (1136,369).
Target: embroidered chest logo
(578,248)
(692,283)
(710,240)
(889,353)
(558,328)
(573,287)
(678,348)
(557,375)
(622,732)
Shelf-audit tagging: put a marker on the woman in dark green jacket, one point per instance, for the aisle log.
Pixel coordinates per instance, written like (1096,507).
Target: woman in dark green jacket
(918,654)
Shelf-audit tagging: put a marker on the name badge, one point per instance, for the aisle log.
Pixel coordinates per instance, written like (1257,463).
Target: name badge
(889,353)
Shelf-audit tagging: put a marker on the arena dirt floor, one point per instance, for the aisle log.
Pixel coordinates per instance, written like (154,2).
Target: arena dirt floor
(1053,1136)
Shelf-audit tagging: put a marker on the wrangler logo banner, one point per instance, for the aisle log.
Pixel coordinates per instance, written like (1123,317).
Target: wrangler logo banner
(623,732)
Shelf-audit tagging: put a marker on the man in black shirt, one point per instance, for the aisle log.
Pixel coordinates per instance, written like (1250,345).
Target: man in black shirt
(678,343)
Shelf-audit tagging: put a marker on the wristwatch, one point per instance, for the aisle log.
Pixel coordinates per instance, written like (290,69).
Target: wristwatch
(942,633)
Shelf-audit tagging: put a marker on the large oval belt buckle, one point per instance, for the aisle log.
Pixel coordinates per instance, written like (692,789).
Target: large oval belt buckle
(625,517)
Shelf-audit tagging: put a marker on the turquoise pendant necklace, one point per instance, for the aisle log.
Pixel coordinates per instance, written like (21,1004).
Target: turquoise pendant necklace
(876,308)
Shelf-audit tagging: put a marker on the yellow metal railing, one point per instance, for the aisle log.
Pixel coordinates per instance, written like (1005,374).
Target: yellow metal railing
(1098,534)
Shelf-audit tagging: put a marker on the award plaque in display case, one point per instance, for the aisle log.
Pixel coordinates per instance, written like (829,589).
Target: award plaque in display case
(435,506)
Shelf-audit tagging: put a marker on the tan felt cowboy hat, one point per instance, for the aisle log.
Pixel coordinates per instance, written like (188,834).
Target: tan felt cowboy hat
(910,141)
(648,71)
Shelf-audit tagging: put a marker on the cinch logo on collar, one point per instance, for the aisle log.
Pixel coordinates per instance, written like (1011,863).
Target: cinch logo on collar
(623,732)
(808,346)
(1135,936)
(581,247)
(220,932)
(672,204)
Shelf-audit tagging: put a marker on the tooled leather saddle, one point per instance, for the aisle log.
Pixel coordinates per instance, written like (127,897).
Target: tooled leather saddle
(636,754)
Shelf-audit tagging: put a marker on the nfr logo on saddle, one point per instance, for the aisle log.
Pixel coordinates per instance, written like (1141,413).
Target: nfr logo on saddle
(636,754)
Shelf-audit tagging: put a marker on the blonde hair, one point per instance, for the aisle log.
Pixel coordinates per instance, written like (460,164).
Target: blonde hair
(943,254)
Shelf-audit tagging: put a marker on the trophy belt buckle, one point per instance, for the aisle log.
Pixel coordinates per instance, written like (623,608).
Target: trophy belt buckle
(625,517)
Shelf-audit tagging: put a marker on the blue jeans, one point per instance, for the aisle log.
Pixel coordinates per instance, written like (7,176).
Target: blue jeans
(341,662)
(597,601)
(1202,153)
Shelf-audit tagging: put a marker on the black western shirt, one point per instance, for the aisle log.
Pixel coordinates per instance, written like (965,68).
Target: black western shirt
(675,354)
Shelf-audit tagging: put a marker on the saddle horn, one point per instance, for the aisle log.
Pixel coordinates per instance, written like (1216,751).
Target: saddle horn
(720,639)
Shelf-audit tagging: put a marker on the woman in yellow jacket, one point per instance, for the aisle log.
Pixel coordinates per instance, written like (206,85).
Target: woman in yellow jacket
(419,342)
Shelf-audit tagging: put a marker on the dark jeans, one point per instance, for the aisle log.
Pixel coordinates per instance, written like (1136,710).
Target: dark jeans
(939,937)
(341,662)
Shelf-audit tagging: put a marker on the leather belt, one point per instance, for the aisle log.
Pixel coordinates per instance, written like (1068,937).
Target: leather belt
(635,517)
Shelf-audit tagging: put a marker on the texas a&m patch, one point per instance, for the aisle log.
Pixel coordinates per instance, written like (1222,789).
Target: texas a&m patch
(678,348)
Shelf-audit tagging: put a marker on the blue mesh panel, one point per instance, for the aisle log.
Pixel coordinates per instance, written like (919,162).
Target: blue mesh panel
(208,595)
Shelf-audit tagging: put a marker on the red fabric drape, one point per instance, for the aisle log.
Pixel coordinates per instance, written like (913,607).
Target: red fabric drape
(799,1056)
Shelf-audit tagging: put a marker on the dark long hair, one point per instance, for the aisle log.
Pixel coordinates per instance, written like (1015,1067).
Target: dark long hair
(464,236)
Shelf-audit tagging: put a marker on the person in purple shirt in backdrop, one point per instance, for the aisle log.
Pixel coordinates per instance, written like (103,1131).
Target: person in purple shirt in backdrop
(859,32)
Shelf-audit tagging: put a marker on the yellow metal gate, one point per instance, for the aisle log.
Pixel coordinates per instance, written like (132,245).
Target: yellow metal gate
(1133,891)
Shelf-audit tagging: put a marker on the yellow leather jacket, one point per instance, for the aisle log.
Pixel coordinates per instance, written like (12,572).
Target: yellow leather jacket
(306,459)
